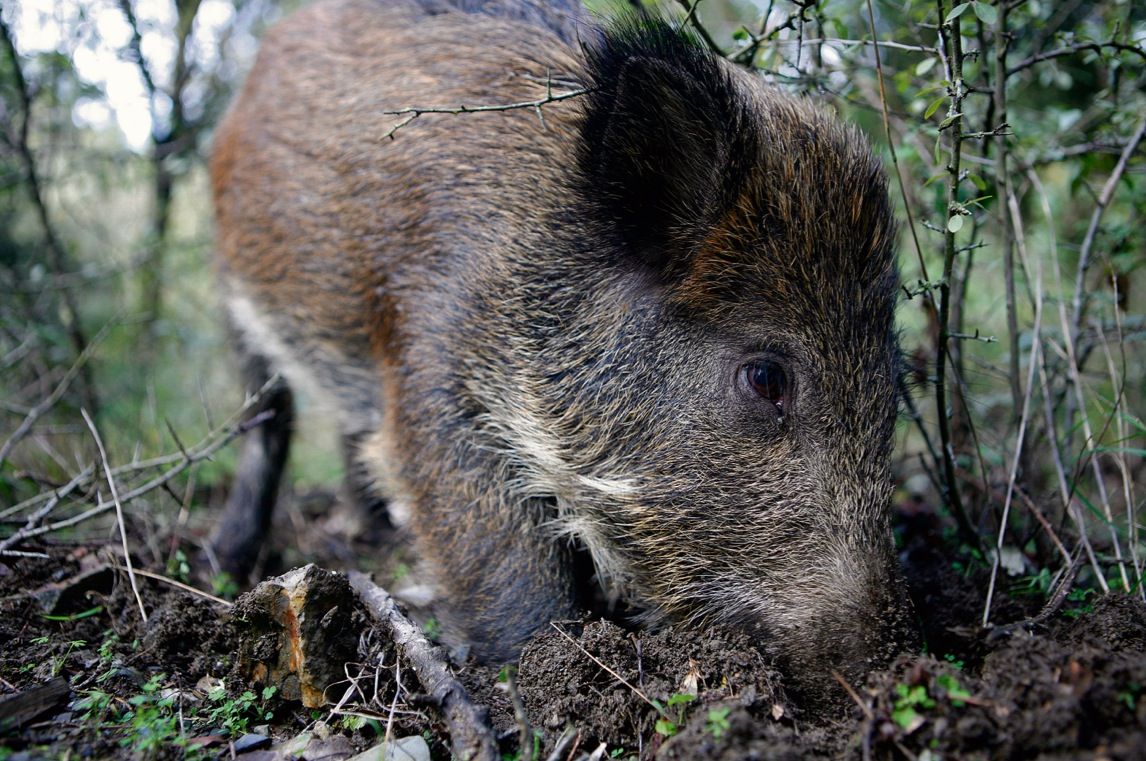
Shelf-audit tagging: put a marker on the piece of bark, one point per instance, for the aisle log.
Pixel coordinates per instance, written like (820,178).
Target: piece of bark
(19,709)
(297,632)
(470,736)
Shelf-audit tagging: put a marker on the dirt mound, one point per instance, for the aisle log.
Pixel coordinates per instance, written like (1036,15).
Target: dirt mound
(1071,686)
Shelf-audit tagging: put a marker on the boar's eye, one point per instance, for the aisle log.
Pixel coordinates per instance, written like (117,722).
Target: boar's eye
(768,380)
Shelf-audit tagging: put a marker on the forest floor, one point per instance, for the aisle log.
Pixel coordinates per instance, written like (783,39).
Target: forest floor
(82,676)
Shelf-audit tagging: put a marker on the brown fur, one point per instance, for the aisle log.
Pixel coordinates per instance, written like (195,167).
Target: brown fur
(535,332)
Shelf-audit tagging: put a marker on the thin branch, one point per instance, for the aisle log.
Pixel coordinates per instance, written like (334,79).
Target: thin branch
(177,584)
(51,399)
(1104,199)
(614,674)
(704,35)
(1002,181)
(952,54)
(1077,47)
(1024,418)
(894,159)
(470,736)
(118,512)
(212,443)
(413,113)
(1065,491)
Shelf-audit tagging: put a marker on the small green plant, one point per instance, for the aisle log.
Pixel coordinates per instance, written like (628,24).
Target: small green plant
(59,661)
(1129,696)
(716,723)
(235,714)
(95,705)
(152,722)
(912,701)
(669,722)
(352,723)
(956,693)
(432,628)
(224,586)
(954,662)
(178,567)
(907,700)
(1035,585)
(1081,598)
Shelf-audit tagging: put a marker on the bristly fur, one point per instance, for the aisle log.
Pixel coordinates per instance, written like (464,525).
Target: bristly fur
(537,333)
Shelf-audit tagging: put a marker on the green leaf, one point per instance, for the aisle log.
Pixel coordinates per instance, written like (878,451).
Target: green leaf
(933,106)
(955,223)
(988,14)
(935,178)
(681,697)
(665,727)
(907,718)
(924,66)
(956,12)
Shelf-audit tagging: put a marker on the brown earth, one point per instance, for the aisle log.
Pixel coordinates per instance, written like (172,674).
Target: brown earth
(1071,687)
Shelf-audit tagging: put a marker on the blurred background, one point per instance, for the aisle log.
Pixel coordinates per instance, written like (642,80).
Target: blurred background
(1016,131)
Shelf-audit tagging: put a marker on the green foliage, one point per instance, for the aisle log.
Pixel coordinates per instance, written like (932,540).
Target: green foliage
(716,722)
(1129,696)
(235,714)
(1083,603)
(178,567)
(152,721)
(669,722)
(909,701)
(953,690)
(912,702)
(352,723)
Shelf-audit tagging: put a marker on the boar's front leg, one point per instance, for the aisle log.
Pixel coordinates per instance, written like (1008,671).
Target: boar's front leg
(246,519)
(503,573)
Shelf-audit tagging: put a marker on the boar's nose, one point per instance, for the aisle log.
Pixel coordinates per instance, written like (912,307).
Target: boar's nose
(850,640)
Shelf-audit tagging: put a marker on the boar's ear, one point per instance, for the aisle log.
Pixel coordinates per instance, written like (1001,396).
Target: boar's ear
(661,133)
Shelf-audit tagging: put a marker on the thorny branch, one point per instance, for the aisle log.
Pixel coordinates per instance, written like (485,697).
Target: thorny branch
(1077,47)
(550,97)
(952,53)
(211,443)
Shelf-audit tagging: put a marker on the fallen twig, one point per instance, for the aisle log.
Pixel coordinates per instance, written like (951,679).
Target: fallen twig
(470,735)
(119,519)
(178,585)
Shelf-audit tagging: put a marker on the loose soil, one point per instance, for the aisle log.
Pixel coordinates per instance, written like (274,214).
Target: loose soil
(95,681)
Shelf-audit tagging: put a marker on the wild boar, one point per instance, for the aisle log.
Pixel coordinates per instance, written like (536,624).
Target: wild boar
(650,320)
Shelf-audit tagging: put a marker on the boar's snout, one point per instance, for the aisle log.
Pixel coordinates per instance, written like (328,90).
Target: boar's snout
(845,623)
